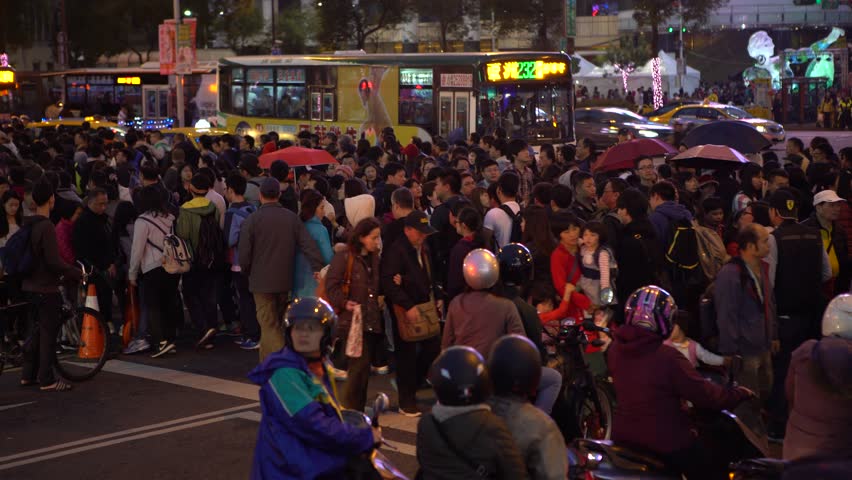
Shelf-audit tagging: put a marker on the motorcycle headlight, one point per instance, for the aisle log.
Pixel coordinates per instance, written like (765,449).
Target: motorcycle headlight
(648,134)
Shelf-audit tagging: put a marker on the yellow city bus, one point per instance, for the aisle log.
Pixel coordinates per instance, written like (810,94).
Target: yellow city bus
(452,94)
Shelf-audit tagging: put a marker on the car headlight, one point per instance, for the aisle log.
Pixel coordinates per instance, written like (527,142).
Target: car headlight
(648,134)
(761,129)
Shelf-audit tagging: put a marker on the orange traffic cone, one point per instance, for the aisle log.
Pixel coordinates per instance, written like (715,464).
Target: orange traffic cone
(92,340)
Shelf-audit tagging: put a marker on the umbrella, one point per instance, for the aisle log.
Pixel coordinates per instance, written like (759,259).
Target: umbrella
(711,156)
(624,155)
(738,135)
(297,157)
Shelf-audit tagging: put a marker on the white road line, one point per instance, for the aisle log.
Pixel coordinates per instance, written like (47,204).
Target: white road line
(9,407)
(247,391)
(126,432)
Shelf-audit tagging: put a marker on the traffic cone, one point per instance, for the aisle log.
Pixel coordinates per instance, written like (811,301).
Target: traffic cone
(92,338)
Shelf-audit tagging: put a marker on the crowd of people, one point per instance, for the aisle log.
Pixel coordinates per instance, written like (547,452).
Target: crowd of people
(415,249)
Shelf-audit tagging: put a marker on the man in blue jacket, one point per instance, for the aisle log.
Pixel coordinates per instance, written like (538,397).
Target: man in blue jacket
(302,434)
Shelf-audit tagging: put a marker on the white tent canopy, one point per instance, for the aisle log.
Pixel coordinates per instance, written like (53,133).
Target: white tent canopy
(607,77)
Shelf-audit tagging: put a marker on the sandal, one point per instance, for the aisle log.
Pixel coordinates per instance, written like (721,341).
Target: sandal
(57,386)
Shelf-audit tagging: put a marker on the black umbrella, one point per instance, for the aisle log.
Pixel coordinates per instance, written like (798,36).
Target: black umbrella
(738,135)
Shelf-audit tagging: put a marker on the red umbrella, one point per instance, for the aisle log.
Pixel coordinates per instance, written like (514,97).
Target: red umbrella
(297,157)
(711,156)
(624,155)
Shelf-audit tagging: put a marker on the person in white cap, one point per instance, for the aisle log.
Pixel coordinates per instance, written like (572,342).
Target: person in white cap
(827,208)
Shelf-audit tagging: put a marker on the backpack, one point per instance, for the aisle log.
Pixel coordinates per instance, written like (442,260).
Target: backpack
(711,251)
(210,251)
(17,256)
(682,252)
(177,256)
(515,236)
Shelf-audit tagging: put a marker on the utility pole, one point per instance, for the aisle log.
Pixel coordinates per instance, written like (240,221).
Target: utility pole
(493,32)
(681,64)
(178,76)
(272,15)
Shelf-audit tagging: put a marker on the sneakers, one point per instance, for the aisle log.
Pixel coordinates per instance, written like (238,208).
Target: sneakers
(227,331)
(136,346)
(248,344)
(410,413)
(206,339)
(164,348)
(383,370)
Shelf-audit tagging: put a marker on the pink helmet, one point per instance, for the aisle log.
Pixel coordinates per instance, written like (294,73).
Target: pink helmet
(652,308)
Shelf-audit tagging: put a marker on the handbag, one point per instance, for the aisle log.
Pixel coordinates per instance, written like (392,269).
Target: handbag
(321,291)
(427,326)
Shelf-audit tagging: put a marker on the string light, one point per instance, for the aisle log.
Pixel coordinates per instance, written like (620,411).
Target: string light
(625,70)
(657,82)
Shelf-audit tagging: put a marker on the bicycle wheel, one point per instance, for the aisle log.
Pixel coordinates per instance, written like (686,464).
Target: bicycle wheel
(82,345)
(595,417)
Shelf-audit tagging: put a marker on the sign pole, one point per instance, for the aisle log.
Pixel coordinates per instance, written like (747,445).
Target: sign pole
(178,76)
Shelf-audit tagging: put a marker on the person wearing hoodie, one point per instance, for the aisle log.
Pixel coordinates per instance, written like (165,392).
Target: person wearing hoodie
(819,389)
(302,434)
(651,381)
(200,281)
(461,438)
(665,209)
(641,253)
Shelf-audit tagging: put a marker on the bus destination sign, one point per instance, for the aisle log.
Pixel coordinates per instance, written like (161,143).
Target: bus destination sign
(524,70)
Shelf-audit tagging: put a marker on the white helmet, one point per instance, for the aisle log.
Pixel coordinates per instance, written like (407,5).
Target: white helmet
(837,320)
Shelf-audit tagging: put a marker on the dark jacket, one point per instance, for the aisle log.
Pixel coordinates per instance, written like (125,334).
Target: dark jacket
(48,265)
(650,381)
(799,274)
(391,232)
(92,240)
(530,320)
(663,216)
(746,323)
(363,289)
(268,241)
(841,249)
(639,258)
(442,242)
(455,275)
(818,393)
(289,200)
(401,258)
(581,210)
(477,433)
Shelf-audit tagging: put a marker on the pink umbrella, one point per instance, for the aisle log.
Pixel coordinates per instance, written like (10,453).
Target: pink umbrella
(624,155)
(297,157)
(711,156)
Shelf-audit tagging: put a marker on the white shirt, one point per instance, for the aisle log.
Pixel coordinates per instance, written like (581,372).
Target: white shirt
(219,202)
(499,222)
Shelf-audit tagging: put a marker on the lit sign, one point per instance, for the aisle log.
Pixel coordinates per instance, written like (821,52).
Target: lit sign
(7,76)
(128,81)
(415,76)
(528,70)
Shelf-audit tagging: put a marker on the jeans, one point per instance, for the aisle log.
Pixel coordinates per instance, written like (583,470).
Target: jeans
(225,296)
(157,290)
(358,375)
(270,317)
(412,366)
(793,330)
(756,375)
(199,293)
(41,354)
(548,389)
(247,307)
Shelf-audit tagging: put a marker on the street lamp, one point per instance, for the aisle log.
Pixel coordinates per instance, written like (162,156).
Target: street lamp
(187,13)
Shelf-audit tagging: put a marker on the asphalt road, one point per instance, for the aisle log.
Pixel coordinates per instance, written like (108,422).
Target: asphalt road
(837,139)
(192,415)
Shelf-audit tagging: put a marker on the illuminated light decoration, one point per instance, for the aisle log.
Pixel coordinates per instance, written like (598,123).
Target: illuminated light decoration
(525,70)
(657,83)
(625,70)
(761,48)
(7,76)
(128,81)
(4,60)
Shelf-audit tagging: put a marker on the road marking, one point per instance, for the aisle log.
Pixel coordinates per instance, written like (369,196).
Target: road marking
(125,432)
(9,407)
(247,391)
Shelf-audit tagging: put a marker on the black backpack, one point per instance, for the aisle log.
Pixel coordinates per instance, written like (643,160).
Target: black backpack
(682,253)
(515,237)
(210,251)
(17,255)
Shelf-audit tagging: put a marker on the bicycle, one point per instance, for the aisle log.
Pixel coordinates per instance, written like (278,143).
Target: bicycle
(68,361)
(585,404)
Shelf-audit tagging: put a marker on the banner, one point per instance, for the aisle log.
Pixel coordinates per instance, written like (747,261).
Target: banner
(167,48)
(570,18)
(185,47)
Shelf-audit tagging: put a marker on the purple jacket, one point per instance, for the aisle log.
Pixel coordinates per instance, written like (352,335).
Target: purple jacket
(820,422)
(650,381)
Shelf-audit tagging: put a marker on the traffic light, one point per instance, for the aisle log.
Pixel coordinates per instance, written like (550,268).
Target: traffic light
(671,29)
(683,29)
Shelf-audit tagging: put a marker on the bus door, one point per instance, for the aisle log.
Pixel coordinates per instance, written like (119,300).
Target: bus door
(155,104)
(458,110)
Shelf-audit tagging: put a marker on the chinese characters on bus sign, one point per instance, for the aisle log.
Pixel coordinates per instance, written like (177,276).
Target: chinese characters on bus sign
(7,76)
(526,70)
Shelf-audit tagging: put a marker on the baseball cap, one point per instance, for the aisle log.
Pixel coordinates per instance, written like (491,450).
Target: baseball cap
(419,221)
(785,202)
(270,188)
(827,196)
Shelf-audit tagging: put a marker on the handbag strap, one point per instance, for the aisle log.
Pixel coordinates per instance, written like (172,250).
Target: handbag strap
(148,240)
(347,277)
(480,469)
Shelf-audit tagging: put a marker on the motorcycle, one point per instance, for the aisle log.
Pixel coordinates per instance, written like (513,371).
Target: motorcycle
(806,468)
(377,466)
(722,433)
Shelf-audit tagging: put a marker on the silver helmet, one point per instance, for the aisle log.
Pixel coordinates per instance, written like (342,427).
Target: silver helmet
(837,319)
(481,270)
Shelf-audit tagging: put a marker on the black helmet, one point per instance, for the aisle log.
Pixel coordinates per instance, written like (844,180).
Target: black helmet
(310,308)
(515,366)
(459,377)
(516,264)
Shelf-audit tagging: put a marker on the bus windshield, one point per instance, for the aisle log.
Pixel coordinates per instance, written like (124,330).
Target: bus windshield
(535,112)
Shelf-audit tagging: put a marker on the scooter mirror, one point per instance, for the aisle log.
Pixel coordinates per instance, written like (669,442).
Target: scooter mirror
(607,296)
(380,404)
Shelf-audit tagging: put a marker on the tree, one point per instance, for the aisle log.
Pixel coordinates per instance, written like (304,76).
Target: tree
(145,18)
(239,22)
(542,16)
(627,54)
(653,13)
(18,21)
(450,15)
(86,43)
(294,29)
(348,22)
